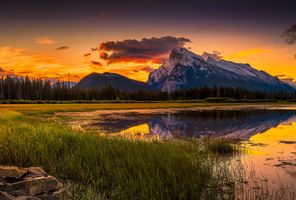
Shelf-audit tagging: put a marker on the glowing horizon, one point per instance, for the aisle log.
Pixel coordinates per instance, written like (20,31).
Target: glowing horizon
(70,41)
(20,62)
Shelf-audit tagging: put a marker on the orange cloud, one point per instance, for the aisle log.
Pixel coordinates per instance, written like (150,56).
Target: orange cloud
(47,65)
(132,70)
(22,63)
(44,40)
(137,60)
(215,55)
(4,73)
(62,48)
(96,63)
(146,69)
(247,53)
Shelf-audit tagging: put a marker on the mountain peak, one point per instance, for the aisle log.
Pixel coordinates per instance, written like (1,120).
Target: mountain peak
(105,74)
(180,50)
(93,74)
(185,70)
(99,81)
(180,54)
(110,74)
(211,60)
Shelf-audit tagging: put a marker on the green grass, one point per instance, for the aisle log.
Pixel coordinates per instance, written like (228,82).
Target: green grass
(206,100)
(105,168)
(222,146)
(8,114)
(47,108)
(97,167)
(96,106)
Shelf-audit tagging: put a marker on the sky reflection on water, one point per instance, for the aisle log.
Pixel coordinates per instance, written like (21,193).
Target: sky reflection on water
(270,134)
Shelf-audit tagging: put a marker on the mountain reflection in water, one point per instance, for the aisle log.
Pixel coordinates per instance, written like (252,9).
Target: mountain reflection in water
(270,135)
(183,124)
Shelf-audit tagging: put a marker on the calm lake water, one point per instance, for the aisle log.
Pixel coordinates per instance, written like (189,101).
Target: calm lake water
(270,134)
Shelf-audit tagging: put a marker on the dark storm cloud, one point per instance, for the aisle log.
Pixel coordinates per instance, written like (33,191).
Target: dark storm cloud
(147,49)
(104,55)
(1,69)
(290,35)
(96,63)
(62,48)
(215,55)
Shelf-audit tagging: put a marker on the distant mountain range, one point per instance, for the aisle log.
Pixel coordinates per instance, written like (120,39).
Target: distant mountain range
(186,70)
(96,80)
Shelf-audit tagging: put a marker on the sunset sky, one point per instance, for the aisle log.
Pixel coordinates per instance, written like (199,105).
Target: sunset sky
(68,39)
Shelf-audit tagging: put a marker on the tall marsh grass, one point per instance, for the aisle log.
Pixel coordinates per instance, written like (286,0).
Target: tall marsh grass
(108,168)
(97,167)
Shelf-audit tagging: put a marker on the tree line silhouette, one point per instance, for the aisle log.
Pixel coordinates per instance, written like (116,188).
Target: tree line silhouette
(37,89)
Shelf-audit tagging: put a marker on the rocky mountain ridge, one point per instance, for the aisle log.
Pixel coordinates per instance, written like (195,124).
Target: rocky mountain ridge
(185,70)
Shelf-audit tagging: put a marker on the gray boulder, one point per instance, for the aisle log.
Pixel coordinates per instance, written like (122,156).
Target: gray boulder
(31,183)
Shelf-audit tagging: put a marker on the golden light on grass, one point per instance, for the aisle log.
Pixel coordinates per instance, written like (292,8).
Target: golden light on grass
(138,132)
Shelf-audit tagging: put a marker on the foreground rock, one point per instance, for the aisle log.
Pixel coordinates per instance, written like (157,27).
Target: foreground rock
(29,184)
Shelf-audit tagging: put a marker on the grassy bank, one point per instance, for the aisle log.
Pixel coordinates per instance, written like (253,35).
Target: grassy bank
(206,100)
(97,167)
(61,107)
(97,106)
(105,168)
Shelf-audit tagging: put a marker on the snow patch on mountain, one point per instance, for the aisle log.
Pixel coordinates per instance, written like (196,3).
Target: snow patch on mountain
(185,70)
